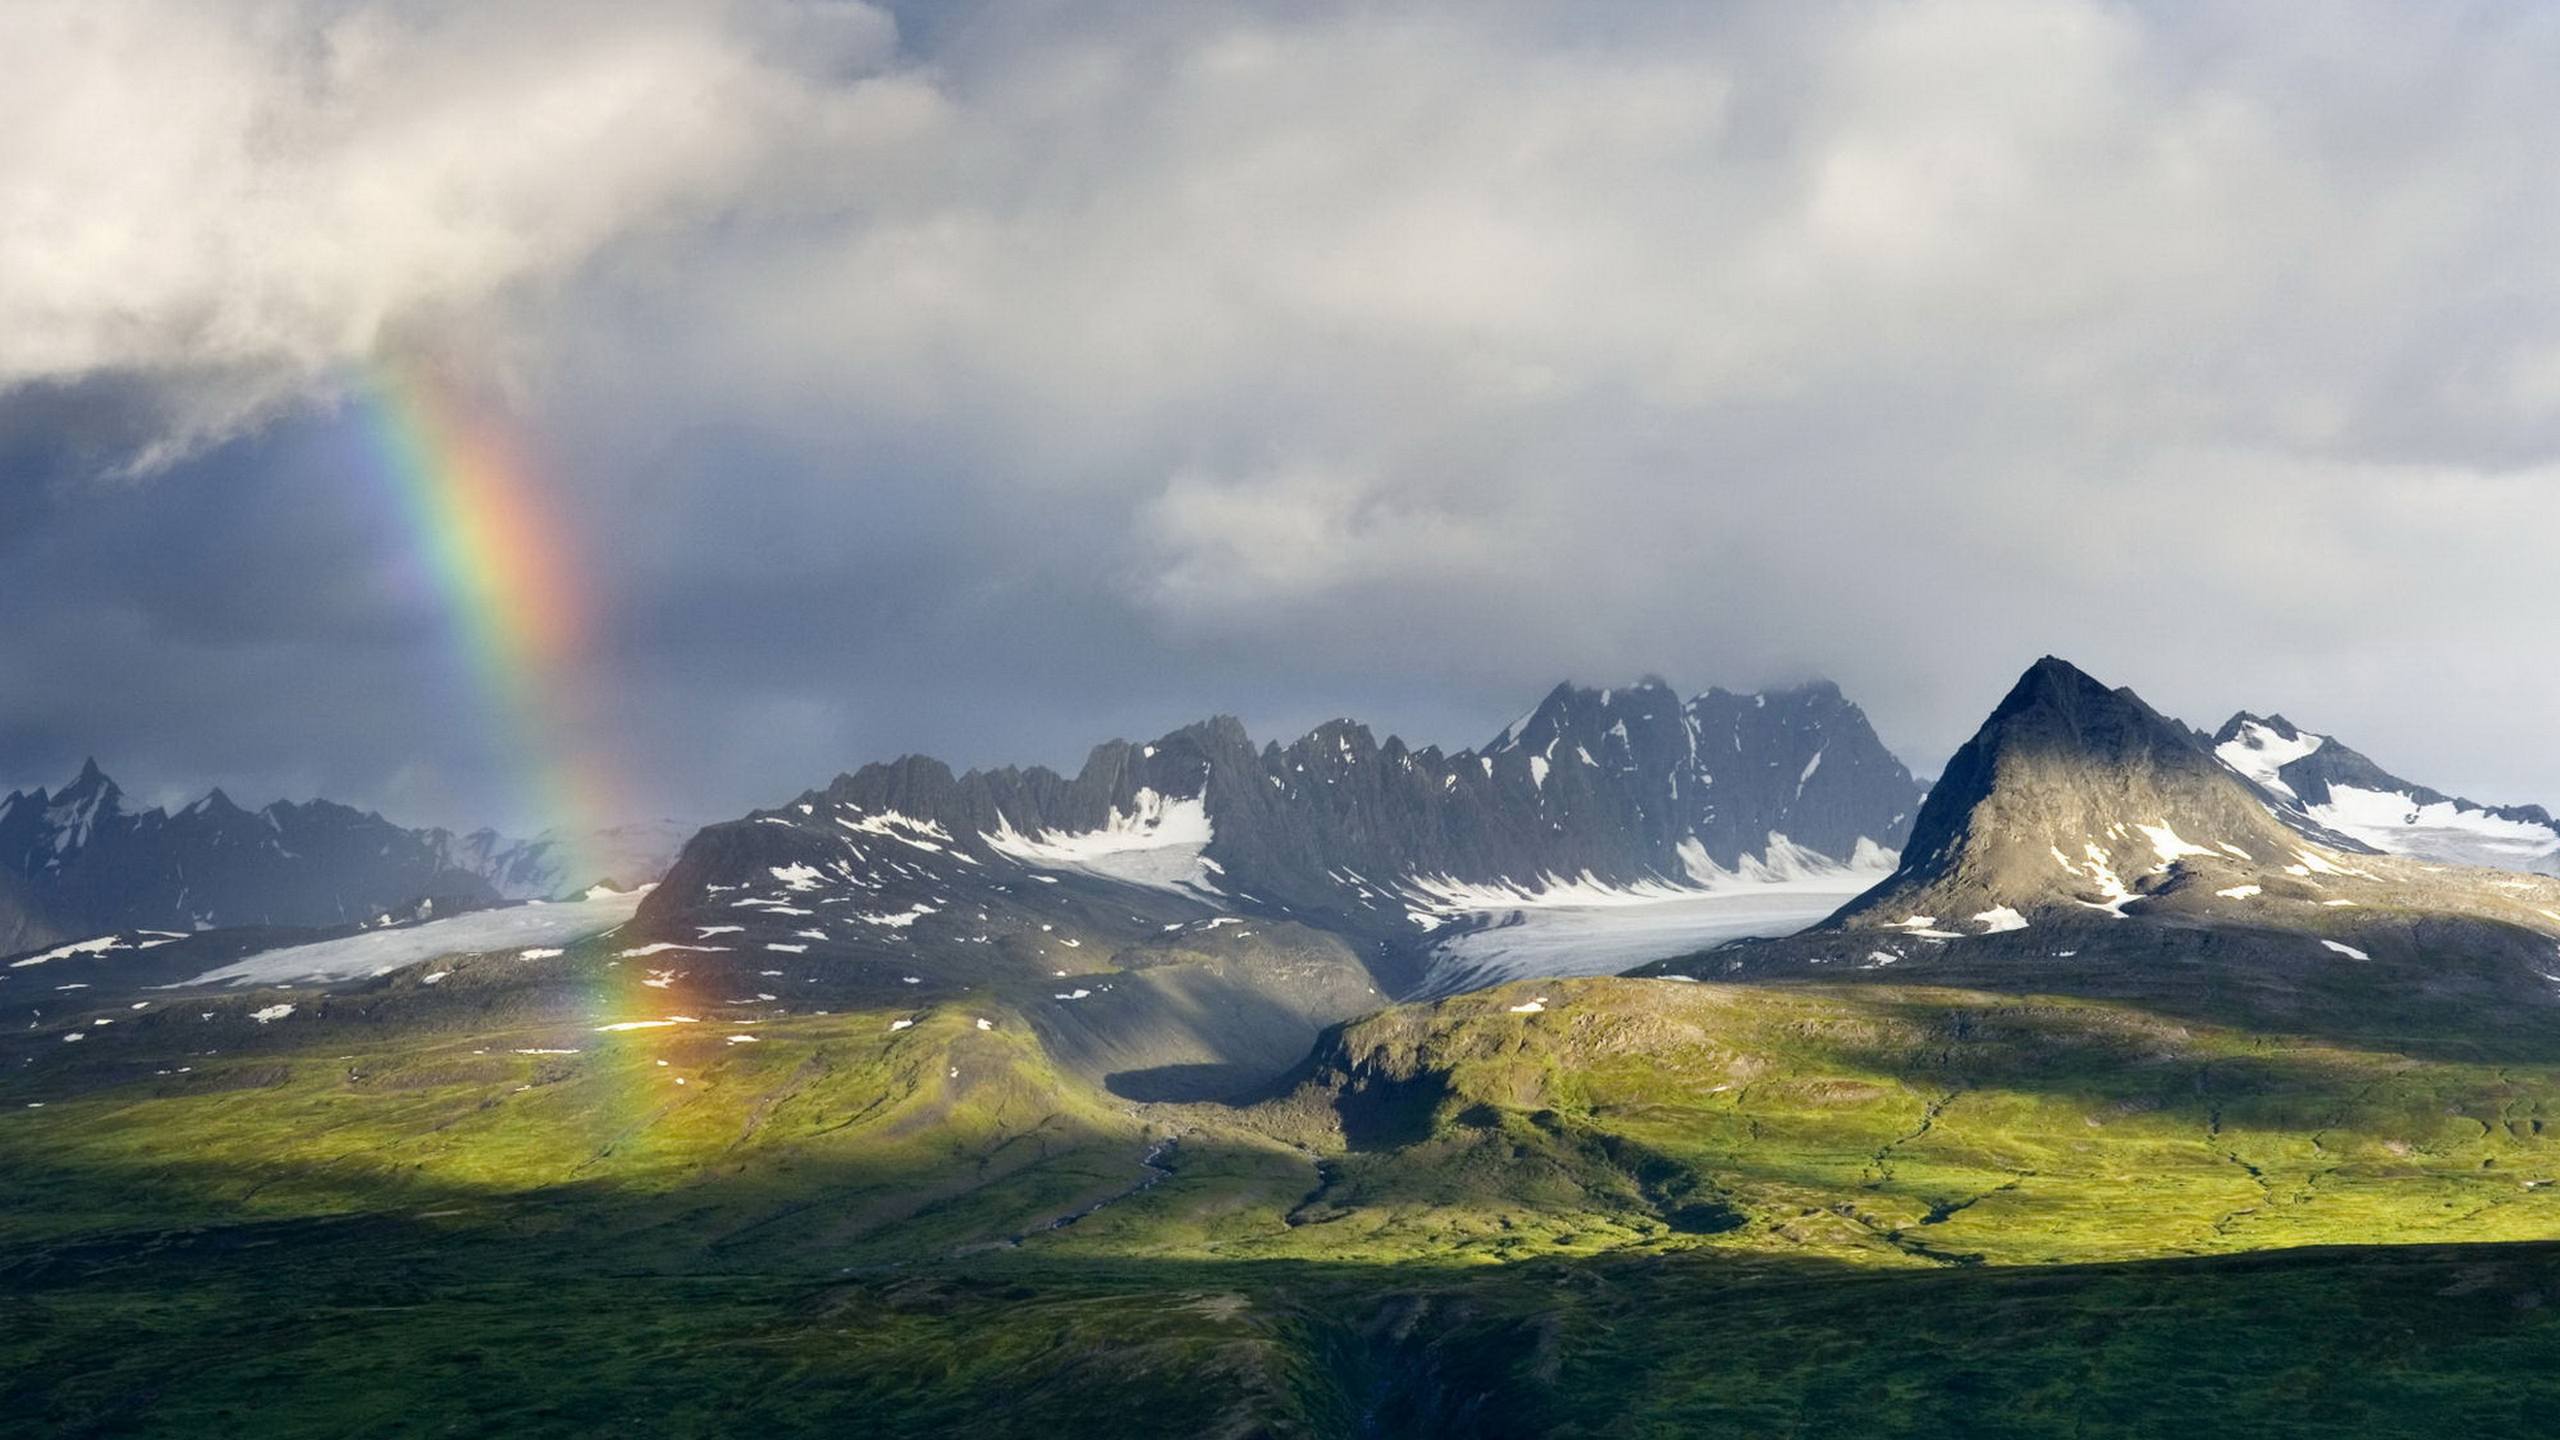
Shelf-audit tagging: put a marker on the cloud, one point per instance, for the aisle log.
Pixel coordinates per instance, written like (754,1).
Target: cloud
(243,199)
(1002,379)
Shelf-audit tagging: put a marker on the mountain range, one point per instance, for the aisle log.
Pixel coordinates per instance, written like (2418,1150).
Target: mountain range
(1569,842)
(1594,793)
(80,861)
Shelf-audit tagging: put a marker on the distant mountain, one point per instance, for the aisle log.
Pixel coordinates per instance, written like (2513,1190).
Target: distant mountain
(559,864)
(2320,782)
(78,862)
(1594,793)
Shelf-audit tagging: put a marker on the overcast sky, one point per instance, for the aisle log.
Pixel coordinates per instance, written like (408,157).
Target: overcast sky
(990,379)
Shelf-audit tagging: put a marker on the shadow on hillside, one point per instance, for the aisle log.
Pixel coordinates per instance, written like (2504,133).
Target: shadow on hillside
(2457,992)
(387,1326)
(1194,1083)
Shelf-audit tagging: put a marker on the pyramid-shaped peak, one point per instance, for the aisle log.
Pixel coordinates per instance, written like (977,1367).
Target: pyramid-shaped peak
(91,793)
(2055,681)
(2056,703)
(2069,794)
(213,802)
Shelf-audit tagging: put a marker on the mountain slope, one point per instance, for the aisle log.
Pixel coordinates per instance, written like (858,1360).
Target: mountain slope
(2325,786)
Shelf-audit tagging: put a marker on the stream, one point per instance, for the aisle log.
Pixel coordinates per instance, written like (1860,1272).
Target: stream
(1156,1175)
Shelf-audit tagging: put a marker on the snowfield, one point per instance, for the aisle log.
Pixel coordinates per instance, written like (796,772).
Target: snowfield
(378,952)
(2397,825)
(1584,928)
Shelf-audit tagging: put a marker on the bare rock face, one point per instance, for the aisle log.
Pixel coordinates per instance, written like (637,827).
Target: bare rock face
(2071,799)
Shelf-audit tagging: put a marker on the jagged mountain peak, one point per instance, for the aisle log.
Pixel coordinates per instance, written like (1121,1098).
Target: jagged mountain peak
(1570,707)
(91,783)
(1815,689)
(2242,722)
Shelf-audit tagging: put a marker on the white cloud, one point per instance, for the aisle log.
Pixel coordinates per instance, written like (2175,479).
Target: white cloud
(1242,544)
(248,197)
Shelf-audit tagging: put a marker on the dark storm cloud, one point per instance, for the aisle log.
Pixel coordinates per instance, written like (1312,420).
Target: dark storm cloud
(989,379)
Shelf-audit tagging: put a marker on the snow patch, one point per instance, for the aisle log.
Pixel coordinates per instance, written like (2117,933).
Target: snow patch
(1159,844)
(2259,752)
(2166,844)
(98,946)
(905,829)
(796,876)
(2000,918)
(661,947)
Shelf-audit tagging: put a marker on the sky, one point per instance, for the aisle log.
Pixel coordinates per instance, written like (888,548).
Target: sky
(987,380)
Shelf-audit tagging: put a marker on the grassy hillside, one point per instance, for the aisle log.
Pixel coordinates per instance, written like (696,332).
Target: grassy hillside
(1641,1208)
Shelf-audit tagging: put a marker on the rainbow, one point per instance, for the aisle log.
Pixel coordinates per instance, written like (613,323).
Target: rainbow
(507,572)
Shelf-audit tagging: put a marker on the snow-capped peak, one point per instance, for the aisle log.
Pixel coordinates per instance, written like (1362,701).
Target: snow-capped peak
(2260,749)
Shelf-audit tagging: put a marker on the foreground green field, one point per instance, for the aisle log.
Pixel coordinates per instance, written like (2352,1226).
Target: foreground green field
(1639,1208)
